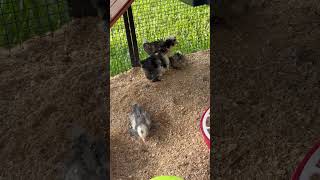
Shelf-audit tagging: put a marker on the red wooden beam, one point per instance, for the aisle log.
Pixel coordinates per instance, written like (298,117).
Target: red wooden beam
(117,8)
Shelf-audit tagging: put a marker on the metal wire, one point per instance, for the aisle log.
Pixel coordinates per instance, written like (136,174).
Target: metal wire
(156,19)
(22,19)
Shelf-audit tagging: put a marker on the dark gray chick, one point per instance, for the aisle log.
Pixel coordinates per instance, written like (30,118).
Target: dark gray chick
(88,160)
(178,60)
(163,46)
(154,65)
(140,122)
(162,49)
(151,47)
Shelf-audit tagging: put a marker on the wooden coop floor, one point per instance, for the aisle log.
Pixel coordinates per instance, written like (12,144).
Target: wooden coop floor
(176,146)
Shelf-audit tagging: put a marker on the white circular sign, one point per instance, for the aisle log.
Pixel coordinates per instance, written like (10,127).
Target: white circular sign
(206,124)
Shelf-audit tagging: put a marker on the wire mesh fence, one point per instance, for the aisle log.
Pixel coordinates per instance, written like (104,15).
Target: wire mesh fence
(156,19)
(22,19)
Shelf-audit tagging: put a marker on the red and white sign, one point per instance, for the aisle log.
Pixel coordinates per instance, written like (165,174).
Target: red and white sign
(309,167)
(205,126)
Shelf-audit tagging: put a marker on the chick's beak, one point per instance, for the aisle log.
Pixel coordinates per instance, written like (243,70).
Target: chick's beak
(143,140)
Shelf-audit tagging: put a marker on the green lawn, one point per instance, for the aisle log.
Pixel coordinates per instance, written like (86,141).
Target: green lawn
(22,19)
(156,19)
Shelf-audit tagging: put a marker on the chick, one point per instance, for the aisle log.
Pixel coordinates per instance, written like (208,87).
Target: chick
(156,46)
(178,60)
(154,65)
(140,122)
(163,47)
(88,161)
(151,47)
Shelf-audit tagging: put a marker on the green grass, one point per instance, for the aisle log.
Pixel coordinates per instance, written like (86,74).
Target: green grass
(22,19)
(156,19)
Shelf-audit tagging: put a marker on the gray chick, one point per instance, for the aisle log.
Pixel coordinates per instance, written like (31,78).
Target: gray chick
(163,46)
(151,47)
(88,160)
(178,60)
(154,66)
(140,122)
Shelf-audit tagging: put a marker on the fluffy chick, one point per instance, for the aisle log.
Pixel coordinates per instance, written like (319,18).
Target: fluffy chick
(140,122)
(163,46)
(178,60)
(154,65)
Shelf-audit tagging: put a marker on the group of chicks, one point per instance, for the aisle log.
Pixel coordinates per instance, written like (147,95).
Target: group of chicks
(159,61)
(160,58)
(89,160)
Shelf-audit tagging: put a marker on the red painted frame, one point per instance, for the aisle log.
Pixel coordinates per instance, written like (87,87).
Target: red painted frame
(120,12)
(207,141)
(300,167)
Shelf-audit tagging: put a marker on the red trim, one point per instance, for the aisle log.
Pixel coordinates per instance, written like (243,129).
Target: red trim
(122,10)
(207,141)
(300,167)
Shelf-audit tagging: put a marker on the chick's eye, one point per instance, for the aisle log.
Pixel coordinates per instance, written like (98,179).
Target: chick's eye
(141,132)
